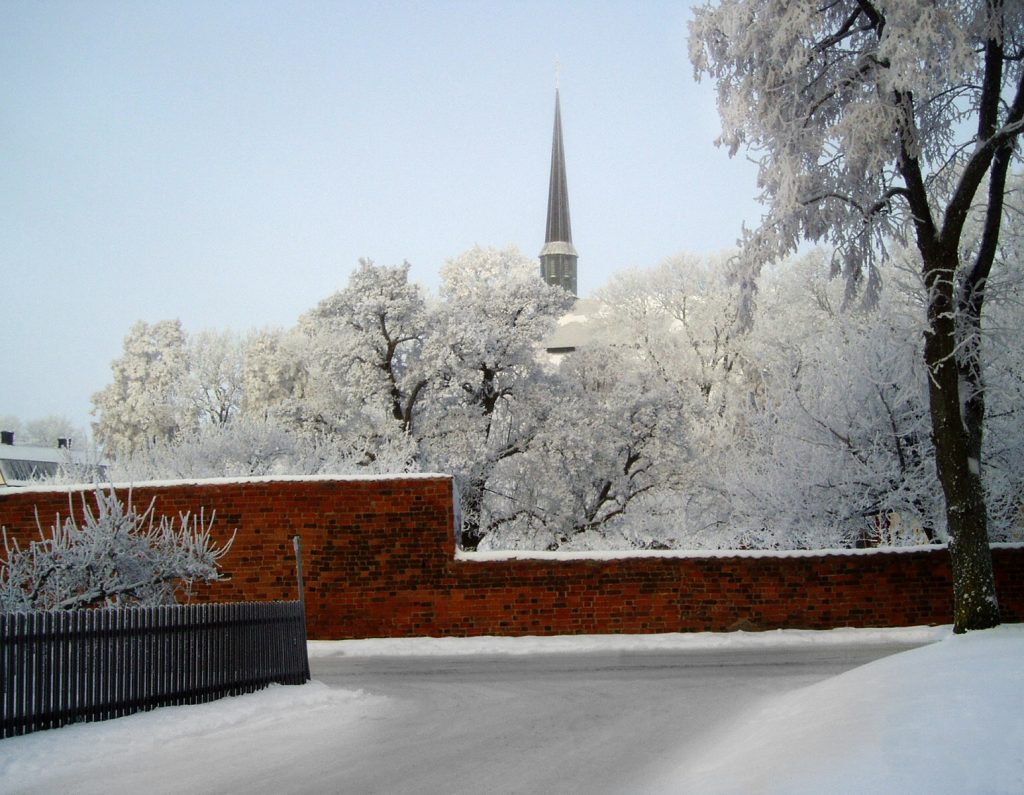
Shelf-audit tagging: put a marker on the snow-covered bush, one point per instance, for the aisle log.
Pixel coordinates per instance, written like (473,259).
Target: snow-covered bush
(117,556)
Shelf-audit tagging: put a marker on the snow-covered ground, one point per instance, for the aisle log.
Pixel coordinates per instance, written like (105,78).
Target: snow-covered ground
(944,718)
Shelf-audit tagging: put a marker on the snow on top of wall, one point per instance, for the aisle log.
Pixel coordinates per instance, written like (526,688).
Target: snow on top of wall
(69,488)
(523,554)
(667,641)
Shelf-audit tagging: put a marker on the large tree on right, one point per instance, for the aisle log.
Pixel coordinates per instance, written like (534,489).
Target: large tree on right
(877,121)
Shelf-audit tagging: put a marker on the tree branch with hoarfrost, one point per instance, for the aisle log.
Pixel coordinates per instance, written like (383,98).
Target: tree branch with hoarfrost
(873,122)
(117,556)
(368,338)
(487,379)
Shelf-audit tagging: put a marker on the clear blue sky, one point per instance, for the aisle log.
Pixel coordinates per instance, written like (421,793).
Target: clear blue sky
(228,163)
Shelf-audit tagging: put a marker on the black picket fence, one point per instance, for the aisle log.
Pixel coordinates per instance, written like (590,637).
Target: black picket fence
(85,665)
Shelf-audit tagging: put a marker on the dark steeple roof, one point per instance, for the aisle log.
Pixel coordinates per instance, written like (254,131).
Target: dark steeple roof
(559,228)
(558,257)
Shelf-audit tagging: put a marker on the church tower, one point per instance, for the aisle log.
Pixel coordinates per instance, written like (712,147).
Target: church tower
(558,257)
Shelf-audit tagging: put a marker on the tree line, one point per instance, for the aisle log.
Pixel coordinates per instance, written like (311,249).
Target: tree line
(674,426)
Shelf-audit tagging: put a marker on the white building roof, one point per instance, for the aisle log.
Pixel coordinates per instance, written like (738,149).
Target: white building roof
(577,327)
(26,464)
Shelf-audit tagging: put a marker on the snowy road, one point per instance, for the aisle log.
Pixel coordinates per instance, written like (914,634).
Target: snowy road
(587,723)
(593,722)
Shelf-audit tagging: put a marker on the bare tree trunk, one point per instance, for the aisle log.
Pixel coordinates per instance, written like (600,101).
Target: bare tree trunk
(974,594)
(471,497)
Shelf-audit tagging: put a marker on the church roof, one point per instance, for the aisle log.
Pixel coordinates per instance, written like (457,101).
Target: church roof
(577,328)
(558,229)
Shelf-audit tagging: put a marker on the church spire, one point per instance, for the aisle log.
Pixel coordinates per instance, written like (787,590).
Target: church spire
(558,257)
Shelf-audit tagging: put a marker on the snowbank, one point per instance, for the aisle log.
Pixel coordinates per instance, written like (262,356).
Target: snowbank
(24,759)
(581,644)
(946,718)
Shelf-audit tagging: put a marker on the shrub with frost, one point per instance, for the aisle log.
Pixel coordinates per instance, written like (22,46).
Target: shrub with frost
(116,556)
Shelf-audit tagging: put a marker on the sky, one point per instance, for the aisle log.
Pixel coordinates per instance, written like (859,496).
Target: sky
(229,163)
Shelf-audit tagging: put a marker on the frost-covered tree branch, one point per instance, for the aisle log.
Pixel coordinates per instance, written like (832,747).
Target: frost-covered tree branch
(116,556)
(872,103)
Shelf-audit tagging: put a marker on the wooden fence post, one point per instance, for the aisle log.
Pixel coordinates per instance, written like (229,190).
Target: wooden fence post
(297,543)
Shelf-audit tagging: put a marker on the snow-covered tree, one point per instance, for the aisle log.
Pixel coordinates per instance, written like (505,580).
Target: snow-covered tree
(486,375)
(1003,466)
(608,438)
(365,343)
(679,320)
(831,446)
(249,446)
(244,447)
(144,403)
(117,556)
(276,376)
(216,375)
(871,121)
(682,317)
(626,419)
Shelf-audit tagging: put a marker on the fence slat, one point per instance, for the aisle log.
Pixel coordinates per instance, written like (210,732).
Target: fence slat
(152,672)
(85,665)
(60,678)
(21,710)
(80,621)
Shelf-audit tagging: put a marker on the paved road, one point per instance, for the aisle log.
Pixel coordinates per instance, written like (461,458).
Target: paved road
(548,723)
(565,723)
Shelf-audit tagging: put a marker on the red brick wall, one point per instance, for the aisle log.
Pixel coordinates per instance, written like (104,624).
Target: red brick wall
(379,560)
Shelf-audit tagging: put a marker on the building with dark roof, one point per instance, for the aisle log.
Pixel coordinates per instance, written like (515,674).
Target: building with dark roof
(28,465)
